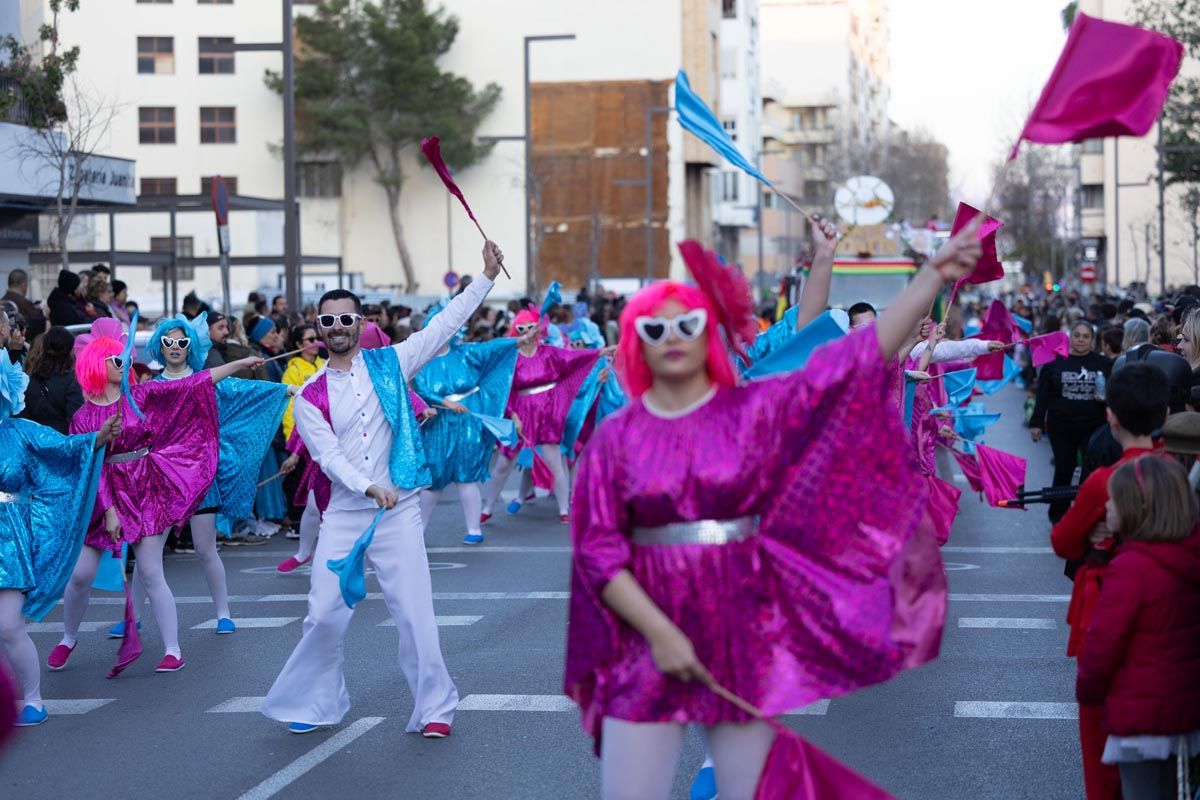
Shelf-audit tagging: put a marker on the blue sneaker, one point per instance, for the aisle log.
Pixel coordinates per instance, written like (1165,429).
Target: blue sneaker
(225,625)
(473,538)
(30,716)
(705,785)
(302,727)
(514,507)
(118,631)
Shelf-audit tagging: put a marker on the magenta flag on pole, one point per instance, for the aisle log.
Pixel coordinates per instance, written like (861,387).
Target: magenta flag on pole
(799,770)
(988,267)
(970,469)
(989,367)
(1110,80)
(1003,474)
(1049,346)
(999,325)
(131,646)
(432,148)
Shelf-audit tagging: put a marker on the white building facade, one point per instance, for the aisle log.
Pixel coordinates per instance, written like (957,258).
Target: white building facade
(741,115)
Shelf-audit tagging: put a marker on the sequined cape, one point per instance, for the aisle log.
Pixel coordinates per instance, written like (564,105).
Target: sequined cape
(842,588)
(54,479)
(544,415)
(458,446)
(595,402)
(772,338)
(248,412)
(163,488)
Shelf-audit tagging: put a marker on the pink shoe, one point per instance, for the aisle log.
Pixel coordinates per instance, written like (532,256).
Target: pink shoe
(290,563)
(59,655)
(484,518)
(564,519)
(436,730)
(169,664)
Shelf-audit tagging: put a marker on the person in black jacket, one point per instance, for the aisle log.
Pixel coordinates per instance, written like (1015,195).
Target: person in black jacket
(63,309)
(53,395)
(1070,406)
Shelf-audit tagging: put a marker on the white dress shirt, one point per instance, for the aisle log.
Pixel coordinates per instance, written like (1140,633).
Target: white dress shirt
(354,453)
(953,350)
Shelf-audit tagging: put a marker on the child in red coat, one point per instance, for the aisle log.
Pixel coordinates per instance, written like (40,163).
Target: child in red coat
(1141,653)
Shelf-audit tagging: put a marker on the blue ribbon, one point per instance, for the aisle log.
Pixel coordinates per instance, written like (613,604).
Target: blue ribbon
(350,570)
(127,364)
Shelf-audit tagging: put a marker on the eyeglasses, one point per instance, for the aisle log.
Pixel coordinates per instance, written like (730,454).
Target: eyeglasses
(525,328)
(183,342)
(308,340)
(342,320)
(117,361)
(688,327)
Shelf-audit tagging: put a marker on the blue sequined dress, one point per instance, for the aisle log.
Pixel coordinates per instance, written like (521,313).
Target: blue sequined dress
(48,485)
(478,375)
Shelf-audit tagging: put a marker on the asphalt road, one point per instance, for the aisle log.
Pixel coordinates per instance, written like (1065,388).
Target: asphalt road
(993,717)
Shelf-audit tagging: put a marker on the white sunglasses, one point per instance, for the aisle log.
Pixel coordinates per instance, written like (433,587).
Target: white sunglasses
(688,327)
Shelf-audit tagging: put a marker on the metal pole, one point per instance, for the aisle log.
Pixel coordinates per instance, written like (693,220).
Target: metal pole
(1162,215)
(1117,211)
(1147,282)
(758,210)
(291,270)
(174,267)
(112,245)
(649,194)
(530,283)
(449,236)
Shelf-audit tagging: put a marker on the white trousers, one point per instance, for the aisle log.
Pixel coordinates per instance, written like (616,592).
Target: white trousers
(312,687)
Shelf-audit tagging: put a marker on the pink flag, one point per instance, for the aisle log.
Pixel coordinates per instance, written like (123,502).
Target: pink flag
(970,469)
(1003,474)
(999,325)
(1049,346)
(988,267)
(432,148)
(131,646)
(989,367)
(799,770)
(1110,80)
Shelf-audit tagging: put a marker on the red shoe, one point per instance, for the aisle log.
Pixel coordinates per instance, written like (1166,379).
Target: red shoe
(564,519)
(530,497)
(290,563)
(484,518)
(169,664)
(59,655)
(436,730)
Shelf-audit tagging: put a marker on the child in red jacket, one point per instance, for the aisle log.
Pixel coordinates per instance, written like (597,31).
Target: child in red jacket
(1141,654)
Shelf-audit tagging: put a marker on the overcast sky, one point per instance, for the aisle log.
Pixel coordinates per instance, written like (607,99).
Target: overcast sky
(968,71)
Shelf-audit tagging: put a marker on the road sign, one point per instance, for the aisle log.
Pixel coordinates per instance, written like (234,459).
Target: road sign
(450,279)
(1087,273)
(220,200)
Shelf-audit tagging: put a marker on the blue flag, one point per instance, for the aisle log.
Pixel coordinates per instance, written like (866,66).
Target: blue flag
(971,422)
(696,117)
(1011,371)
(794,353)
(351,570)
(958,389)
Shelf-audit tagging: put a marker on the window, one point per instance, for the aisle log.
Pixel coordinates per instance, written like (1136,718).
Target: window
(230,185)
(729,9)
(730,126)
(157,187)
(156,125)
(214,61)
(729,186)
(163,2)
(184,248)
(215,2)
(319,179)
(155,55)
(218,125)
(1093,195)
(1093,146)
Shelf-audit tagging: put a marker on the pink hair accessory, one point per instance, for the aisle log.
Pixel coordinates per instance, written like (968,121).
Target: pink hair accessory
(729,292)
(103,328)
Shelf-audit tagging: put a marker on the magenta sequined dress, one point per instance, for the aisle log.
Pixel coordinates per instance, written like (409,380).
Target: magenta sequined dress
(841,588)
(543,413)
(161,488)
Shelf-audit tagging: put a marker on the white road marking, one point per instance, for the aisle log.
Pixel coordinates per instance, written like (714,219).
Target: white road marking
(516,702)
(1009,623)
(959,478)
(818,709)
(978,709)
(1000,550)
(282,598)
(249,622)
(487,548)
(1011,598)
(238,705)
(443,622)
(76,706)
(57,627)
(286,776)
(302,598)
(501,595)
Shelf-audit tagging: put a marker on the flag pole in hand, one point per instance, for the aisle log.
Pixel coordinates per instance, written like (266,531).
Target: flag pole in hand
(432,148)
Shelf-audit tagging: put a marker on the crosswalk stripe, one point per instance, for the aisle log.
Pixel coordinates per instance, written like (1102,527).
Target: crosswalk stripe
(1000,550)
(501,595)
(238,705)
(487,548)
(286,776)
(1011,598)
(818,709)
(443,622)
(1009,623)
(249,622)
(76,706)
(979,709)
(57,627)
(515,702)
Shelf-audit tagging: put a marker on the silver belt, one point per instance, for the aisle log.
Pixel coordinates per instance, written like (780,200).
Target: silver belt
(132,455)
(701,531)
(545,387)
(458,398)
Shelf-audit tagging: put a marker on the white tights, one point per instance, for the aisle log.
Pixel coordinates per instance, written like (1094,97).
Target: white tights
(204,537)
(502,468)
(468,494)
(21,652)
(310,524)
(638,759)
(149,552)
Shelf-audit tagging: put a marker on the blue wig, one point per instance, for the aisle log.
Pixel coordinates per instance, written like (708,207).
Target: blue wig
(195,329)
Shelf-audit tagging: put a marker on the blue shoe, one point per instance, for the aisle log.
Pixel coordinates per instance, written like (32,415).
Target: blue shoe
(225,625)
(705,785)
(118,631)
(301,727)
(514,507)
(31,716)
(473,538)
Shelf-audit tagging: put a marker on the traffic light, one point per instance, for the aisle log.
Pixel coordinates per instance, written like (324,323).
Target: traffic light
(1057,288)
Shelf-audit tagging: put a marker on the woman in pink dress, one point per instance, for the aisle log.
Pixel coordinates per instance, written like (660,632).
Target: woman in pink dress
(734,536)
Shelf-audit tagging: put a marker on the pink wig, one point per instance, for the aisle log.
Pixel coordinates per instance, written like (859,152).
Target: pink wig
(631,366)
(90,367)
(524,317)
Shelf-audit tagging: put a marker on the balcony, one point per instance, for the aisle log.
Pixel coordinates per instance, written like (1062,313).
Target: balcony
(13,107)
(1091,168)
